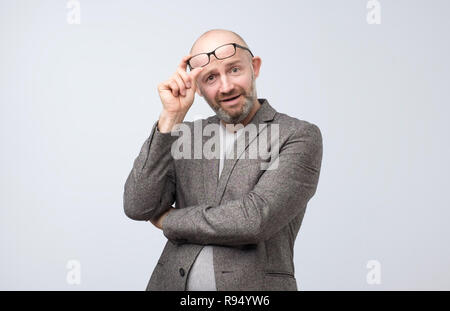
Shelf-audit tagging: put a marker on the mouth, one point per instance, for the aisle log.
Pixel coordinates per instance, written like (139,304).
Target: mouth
(231,99)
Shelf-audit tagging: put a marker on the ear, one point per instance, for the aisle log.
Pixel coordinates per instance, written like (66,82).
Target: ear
(256,63)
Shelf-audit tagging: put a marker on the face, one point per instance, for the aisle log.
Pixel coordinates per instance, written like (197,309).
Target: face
(228,85)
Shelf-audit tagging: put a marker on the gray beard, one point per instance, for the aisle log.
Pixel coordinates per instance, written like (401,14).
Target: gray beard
(246,108)
(225,117)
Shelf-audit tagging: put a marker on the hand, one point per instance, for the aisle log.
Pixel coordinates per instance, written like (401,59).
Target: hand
(177,93)
(159,221)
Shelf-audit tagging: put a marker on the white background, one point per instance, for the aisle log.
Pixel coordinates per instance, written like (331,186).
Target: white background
(78,101)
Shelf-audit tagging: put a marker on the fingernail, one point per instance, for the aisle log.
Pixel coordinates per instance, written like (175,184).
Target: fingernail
(188,84)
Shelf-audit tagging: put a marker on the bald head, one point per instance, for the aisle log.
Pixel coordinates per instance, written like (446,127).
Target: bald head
(214,38)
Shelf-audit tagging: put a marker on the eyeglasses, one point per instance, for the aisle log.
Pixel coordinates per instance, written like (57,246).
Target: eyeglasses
(222,52)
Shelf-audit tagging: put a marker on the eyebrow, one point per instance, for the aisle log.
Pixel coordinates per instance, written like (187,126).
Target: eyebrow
(238,61)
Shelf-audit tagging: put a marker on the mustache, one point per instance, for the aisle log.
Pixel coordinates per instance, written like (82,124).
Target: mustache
(231,95)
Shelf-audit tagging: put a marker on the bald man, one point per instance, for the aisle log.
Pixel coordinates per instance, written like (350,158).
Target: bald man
(234,224)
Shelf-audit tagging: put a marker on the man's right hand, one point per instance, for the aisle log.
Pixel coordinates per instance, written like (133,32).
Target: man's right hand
(177,95)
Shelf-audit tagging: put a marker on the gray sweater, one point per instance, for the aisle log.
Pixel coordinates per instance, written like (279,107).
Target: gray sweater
(201,276)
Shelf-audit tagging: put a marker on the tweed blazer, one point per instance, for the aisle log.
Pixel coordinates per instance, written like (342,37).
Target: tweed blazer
(251,216)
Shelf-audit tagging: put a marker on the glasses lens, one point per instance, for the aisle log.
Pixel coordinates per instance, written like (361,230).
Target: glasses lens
(225,51)
(198,61)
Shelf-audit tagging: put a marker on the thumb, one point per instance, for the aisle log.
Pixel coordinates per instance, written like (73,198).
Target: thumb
(193,75)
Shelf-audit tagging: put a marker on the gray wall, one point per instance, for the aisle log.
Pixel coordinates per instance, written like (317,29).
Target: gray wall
(78,101)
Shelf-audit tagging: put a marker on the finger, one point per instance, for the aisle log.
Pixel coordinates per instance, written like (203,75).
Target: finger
(185,77)
(162,86)
(180,82)
(174,87)
(194,74)
(183,64)
(165,86)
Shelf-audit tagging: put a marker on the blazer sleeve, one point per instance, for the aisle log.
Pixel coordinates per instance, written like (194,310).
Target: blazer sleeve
(149,189)
(279,196)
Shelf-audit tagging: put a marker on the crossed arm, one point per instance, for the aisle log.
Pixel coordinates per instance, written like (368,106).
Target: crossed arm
(158,222)
(278,197)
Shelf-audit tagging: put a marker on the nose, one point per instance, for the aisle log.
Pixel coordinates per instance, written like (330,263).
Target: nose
(225,86)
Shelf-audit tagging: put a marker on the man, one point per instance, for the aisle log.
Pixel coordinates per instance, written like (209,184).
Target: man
(234,224)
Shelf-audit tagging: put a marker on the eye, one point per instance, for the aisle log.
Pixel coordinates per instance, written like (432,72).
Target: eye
(235,69)
(210,78)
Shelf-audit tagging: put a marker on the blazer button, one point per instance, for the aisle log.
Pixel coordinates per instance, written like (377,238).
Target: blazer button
(181,271)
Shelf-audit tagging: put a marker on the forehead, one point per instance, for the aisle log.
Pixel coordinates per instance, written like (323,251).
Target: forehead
(215,64)
(213,40)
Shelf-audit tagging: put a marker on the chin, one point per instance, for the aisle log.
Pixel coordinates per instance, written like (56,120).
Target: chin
(234,112)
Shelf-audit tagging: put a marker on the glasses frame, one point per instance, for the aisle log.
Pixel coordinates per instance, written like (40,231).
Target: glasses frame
(214,53)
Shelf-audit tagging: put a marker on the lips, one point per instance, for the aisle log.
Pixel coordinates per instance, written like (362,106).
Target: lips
(230,98)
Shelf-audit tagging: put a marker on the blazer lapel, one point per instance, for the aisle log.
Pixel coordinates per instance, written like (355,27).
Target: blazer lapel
(210,169)
(264,114)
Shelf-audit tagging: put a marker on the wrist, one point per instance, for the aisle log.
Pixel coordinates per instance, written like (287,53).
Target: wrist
(168,120)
